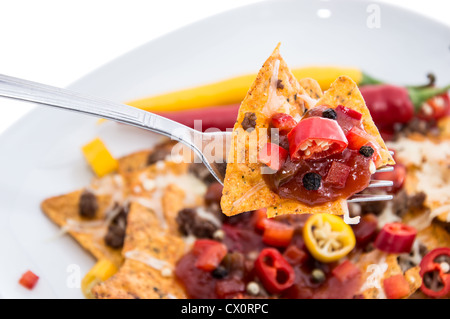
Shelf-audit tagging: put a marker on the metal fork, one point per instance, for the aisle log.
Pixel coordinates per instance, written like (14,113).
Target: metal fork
(25,90)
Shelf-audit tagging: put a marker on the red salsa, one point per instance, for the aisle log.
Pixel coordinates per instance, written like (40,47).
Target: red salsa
(330,157)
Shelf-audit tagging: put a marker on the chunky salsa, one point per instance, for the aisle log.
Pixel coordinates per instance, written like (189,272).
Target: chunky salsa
(326,156)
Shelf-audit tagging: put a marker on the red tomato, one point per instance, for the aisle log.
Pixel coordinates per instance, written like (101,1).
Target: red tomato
(230,287)
(277,234)
(294,255)
(29,280)
(338,173)
(345,271)
(349,112)
(260,218)
(283,122)
(273,156)
(209,254)
(315,138)
(395,238)
(396,287)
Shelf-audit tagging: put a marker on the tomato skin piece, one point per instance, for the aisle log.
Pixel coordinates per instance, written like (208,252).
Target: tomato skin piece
(338,174)
(29,280)
(395,238)
(349,112)
(273,156)
(277,234)
(396,287)
(209,254)
(316,128)
(283,122)
(275,273)
(428,264)
(345,271)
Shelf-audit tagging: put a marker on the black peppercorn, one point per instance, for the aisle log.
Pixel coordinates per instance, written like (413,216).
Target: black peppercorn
(366,151)
(312,181)
(220,272)
(329,114)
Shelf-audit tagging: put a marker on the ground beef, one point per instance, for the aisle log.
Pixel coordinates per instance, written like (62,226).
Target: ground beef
(416,125)
(249,121)
(160,152)
(403,202)
(200,171)
(214,193)
(190,223)
(115,236)
(88,204)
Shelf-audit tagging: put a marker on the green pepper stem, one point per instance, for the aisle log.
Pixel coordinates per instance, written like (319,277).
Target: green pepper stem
(419,96)
(369,80)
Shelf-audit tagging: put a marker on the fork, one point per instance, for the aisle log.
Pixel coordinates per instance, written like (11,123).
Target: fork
(20,89)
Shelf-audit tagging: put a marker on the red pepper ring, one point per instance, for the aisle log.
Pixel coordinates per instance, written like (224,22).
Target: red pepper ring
(395,238)
(431,264)
(275,273)
(315,138)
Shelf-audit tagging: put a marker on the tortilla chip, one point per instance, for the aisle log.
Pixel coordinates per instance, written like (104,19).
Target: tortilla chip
(244,186)
(312,88)
(63,210)
(146,243)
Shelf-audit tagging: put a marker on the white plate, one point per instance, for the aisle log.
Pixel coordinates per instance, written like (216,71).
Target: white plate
(40,155)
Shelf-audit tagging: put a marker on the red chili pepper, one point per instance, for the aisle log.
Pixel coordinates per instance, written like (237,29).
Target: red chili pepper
(283,122)
(209,254)
(273,156)
(396,287)
(435,108)
(349,112)
(305,136)
(395,238)
(275,273)
(219,117)
(390,104)
(277,234)
(435,272)
(29,280)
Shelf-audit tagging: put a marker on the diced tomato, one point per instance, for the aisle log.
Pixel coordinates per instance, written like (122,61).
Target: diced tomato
(338,174)
(283,122)
(349,112)
(294,255)
(273,156)
(396,287)
(29,280)
(357,138)
(277,234)
(345,271)
(260,218)
(316,138)
(209,254)
(365,230)
(229,287)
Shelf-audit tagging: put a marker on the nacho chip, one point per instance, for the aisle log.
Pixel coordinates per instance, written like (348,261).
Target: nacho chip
(244,186)
(151,254)
(312,88)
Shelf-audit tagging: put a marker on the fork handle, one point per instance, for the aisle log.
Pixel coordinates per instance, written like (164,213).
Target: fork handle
(19,89)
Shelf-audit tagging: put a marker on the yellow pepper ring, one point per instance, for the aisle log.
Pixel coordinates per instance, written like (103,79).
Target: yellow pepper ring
(101,271)
(327,237)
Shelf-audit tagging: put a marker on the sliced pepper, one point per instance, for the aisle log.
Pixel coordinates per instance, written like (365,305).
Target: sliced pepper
(315,138)
(99,158)
(275,273)
(277,234)
(395,238)
(327,237)
(209,254)
(435,272)
(101,271)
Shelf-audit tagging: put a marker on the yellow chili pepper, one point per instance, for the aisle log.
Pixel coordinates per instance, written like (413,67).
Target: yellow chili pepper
(233,90)
(101,271)
(327,237)
(99,158)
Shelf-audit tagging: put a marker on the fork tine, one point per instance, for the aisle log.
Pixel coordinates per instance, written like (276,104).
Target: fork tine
(376,183)
(385,169)
(359,198)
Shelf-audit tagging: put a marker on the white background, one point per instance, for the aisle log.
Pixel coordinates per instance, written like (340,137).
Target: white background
(56,42)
